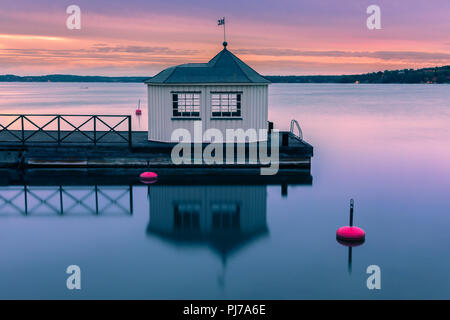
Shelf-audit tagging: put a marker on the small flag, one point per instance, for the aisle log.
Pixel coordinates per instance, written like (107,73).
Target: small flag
(221,21)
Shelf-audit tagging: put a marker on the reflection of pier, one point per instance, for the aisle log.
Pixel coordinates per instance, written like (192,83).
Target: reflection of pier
(66,200)
(92,176)
(224,218)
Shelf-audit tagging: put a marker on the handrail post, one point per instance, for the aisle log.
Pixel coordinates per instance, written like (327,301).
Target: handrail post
(130,133)
(23,132)
(95,130)
(59,130)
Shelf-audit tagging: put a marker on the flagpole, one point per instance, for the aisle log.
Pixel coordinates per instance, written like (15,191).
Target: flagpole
(222,22)
(224,37)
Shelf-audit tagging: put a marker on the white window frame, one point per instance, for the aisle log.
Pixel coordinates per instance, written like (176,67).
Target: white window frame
(226,105)
(186,104)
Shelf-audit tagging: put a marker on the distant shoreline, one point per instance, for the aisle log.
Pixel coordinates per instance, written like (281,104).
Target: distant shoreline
(425,75)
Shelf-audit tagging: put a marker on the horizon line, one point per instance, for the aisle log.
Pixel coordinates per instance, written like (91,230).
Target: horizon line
(267,75)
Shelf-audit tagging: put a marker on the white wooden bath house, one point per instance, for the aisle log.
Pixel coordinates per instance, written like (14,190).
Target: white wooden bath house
(224,93)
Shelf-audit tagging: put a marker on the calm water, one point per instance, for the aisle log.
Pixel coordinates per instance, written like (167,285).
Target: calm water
(387,146)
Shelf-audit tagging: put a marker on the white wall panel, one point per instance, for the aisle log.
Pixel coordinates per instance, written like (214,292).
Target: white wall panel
(254,109)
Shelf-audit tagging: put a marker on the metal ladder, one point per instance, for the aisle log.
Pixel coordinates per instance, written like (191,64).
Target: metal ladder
(300,132)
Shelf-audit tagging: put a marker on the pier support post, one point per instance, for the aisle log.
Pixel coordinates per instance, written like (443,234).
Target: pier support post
(270,128)
(285,139)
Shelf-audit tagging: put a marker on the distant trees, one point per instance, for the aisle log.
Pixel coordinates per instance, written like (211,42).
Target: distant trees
(426,75)
(69,78)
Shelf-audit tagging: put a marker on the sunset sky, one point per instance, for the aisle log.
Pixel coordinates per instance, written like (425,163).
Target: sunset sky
(139,38)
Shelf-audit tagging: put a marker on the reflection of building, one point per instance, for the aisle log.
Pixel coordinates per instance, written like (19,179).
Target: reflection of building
(225,217)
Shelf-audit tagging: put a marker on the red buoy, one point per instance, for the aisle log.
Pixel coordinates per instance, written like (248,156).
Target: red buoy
(350,233)
(138,110)
(148,177)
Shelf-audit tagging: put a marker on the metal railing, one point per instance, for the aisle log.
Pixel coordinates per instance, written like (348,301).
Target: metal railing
(300,132)
(76,133)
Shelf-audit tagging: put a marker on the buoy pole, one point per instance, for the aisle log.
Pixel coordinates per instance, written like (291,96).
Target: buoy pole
(350,232)
(351,212)
(349,259)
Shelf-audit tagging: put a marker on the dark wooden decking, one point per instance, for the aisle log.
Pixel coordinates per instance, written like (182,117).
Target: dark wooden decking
(78,139)
(114,151)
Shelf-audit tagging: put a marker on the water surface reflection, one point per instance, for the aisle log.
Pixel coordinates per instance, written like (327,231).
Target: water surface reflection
(222,216)
(66,200)
(224,219)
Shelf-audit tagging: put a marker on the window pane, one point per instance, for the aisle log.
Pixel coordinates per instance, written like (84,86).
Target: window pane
(186,104)
(225,104)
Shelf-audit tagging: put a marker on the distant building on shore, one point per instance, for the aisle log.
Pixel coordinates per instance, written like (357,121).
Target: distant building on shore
(224,93)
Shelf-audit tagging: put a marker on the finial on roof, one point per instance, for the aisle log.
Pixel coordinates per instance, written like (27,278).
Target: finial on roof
(225,44)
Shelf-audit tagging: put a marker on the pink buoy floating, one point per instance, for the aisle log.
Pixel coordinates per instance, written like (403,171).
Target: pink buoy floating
(350,233)
(148,177)
(350,236)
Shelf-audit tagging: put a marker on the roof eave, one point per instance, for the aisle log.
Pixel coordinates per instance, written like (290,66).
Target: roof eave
(208,83)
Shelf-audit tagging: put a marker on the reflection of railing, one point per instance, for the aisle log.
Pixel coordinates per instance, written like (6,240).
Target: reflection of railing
(39,131)
(300,133)
(63,200)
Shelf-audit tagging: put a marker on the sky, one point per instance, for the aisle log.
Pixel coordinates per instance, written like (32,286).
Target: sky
(283,37)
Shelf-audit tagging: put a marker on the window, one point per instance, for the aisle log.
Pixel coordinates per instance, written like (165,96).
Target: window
(226,104)
(225,216)
(186,216)
(186,104)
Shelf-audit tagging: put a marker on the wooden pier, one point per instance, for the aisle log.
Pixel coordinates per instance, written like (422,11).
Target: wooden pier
(84,147)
